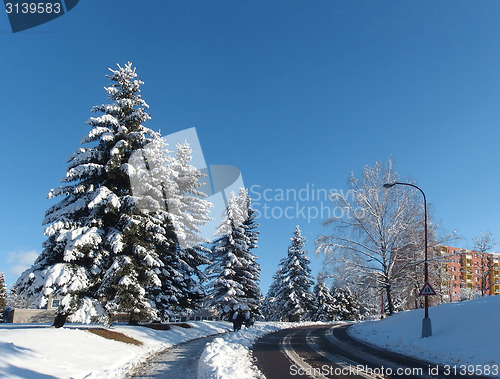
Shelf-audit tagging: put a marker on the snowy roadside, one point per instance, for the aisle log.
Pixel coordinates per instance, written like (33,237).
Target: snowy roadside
(464,335)
(229,356)
(39,351)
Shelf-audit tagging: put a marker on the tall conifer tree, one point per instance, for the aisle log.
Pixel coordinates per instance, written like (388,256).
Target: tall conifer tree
(292,299)
(323,303)
(99,256)
(181,291)
(3,294)
(235,272)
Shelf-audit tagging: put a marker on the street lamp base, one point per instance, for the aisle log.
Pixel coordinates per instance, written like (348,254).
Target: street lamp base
(426,327)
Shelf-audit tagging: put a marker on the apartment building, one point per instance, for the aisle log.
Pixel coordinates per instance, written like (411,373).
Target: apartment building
(461,271)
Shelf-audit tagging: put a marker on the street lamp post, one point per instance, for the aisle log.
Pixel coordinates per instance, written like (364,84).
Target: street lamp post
(426,322)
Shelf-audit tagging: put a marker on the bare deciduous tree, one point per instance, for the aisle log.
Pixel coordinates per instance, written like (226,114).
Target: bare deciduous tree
(484,244)
(378,239)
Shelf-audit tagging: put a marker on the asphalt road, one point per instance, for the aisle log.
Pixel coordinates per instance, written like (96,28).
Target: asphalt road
(327,351)
(177,362)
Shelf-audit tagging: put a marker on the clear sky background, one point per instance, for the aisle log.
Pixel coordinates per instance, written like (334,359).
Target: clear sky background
(295,94)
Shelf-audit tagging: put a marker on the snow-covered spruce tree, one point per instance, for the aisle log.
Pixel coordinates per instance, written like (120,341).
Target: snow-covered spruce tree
(234,272)
(182,291)
(269,309)
(345,305)
(189,209)
(253,294)
(191,212)
(3,294)
(152,186)
(293,299)
(167,186)
(323,303)
(99,256)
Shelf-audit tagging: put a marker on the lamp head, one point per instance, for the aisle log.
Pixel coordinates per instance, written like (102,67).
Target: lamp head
(389,185)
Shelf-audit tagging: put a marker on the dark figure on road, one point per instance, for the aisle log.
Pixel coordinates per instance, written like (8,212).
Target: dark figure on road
(238,319)
(249,319)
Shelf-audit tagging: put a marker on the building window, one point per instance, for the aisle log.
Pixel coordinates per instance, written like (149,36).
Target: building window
(55,303)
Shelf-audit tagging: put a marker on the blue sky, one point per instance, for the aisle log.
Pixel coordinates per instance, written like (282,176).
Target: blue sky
(293,93)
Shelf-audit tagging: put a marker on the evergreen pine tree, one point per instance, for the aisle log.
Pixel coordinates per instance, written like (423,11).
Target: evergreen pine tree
(293,299)
(189,208)
(269,308)
(253,293)
(168,189)
(235,272)
(152,187)
(187,211)
(346,307)
(192,212)
(323,303)
(99,256)
(3,294)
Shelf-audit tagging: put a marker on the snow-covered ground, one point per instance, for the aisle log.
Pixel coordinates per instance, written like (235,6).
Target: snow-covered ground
(40,351)
(228,356)
(464,333)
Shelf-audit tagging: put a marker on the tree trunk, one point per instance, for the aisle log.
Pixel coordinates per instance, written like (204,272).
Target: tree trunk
(416,298)
(60,320)
(132,320)
(390,303)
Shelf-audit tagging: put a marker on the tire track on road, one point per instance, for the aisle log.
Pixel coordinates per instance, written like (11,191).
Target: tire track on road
(327,351)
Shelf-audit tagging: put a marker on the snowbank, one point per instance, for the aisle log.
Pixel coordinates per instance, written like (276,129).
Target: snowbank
(40,351)
(229,357)
(465,333)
